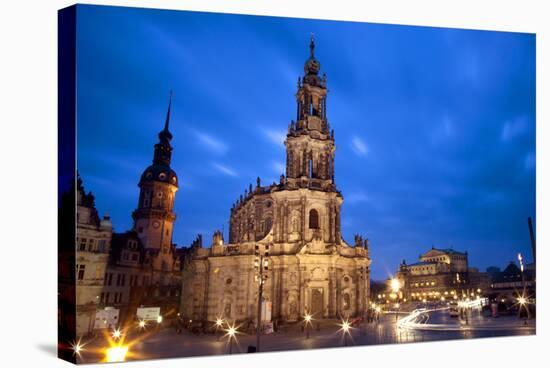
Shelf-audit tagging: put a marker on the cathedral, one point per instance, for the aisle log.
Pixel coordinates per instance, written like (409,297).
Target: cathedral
(306,266)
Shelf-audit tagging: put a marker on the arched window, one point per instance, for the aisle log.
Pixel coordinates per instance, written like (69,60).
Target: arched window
(313,219)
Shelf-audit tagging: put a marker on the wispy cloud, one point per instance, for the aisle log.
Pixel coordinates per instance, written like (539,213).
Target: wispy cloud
(278,167)
(211,143)
(276,137)
(225,170)
(356,197)
(513,128)
(359,146)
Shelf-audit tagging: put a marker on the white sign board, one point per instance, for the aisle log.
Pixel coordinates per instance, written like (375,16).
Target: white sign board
(148,314)
(106,318)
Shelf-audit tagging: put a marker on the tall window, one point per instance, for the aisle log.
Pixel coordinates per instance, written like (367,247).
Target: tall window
(101,245)
(82,244)
(313,219)
(91,243)
(80,269)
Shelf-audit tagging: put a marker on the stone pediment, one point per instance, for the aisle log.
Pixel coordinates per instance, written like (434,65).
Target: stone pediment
(433,253)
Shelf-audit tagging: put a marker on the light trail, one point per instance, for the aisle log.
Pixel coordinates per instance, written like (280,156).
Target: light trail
(418,318)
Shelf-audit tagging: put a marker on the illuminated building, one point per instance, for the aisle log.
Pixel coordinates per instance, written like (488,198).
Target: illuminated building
(441,274)
(311,267)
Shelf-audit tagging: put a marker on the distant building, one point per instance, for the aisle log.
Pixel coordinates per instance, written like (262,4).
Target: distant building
(440,274)
(509,285)
(493,271)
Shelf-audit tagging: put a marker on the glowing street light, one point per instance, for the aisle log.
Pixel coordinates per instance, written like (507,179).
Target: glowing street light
(77,347)
(395,285)
(116,353)
(142,324)
(159,319)
(117,334)
(219,324)
(520,259)
(231,331)
(307,321)
(345,327)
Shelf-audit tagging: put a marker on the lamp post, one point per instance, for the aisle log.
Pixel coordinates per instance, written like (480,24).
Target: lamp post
(261,266)
(230,333)
(307,321)
(522,300)
(345,327)
(395,287)
(219,324)
(523,303)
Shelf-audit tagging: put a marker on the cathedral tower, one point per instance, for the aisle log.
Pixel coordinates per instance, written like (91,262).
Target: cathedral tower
(154,217)
(310,143)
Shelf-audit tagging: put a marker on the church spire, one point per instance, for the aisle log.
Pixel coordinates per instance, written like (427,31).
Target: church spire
(312,47)
(165,136)
(163,149)
(167,122)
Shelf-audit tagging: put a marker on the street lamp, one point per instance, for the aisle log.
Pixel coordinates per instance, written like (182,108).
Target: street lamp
(523,303)
(307,321)
(77,347)
(261,266)
(522,300)
(231,331)
(345,327)
(395,285)
(142,324)
(219,324)
(117,334)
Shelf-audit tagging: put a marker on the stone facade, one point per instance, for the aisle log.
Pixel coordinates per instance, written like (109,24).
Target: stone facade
(310,267)
(93,242)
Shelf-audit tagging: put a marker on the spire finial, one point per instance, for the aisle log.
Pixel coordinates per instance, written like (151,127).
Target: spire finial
(312,45)
(167,123)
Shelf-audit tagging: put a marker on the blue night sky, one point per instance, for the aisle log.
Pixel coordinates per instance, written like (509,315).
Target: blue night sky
(434,127)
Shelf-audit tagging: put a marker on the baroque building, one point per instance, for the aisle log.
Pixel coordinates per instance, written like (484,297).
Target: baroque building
(93,242)
(310,268)
(440,274)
